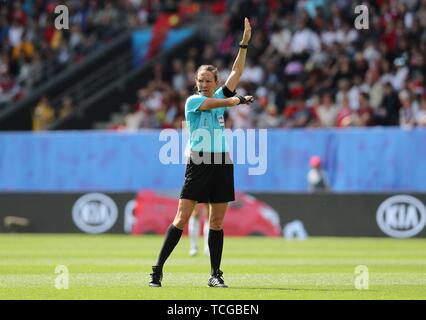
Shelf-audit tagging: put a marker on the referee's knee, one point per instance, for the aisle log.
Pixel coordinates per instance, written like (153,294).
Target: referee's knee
(181,219)
(180,223)
(216,224)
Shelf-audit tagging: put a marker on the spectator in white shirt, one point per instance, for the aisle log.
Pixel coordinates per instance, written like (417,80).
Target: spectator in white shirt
(327,111)
(304,39)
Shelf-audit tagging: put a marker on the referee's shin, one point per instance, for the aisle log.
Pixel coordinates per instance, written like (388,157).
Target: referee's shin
(173,235)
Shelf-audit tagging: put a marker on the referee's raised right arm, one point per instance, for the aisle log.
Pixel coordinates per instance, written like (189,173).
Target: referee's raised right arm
(238,67)
(234,77)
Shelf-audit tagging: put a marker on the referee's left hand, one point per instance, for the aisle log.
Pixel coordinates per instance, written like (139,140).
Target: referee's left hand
(245,99)
(247,32)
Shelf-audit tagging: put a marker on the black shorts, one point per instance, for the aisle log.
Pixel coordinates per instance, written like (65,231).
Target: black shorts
(209,181)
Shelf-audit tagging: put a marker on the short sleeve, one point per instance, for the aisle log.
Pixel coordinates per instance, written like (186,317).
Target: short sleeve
(219,93)
(194,102)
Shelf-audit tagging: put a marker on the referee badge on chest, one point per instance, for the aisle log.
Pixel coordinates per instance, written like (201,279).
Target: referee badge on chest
(221,120)
(205,120)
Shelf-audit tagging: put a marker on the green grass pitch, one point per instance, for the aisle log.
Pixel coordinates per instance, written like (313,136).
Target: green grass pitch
(118,266)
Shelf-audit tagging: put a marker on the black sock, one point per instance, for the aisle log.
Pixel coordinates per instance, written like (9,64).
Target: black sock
(215,246)
(173,235)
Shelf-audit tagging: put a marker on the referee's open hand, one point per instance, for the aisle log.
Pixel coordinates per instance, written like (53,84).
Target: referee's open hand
(247,32)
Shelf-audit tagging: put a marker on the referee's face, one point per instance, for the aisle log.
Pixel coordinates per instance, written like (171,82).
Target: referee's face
(206,83)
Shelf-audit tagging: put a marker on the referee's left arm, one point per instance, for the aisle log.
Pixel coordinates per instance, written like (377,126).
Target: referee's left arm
(238,67)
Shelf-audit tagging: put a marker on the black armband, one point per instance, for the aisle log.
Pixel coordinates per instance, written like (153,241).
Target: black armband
(228,93)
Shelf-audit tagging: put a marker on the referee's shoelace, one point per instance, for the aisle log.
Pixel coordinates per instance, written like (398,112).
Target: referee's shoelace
(217,278)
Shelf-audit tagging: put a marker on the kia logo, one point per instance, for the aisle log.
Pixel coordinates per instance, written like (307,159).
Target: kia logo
(94,213)
(401,216)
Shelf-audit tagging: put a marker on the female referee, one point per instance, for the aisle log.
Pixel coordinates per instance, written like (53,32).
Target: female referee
(209,176)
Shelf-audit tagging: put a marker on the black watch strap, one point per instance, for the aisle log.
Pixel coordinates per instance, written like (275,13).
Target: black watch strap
(244,46)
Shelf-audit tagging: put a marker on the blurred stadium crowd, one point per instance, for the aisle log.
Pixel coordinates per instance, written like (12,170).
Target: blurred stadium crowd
(32,50)
(307,65)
